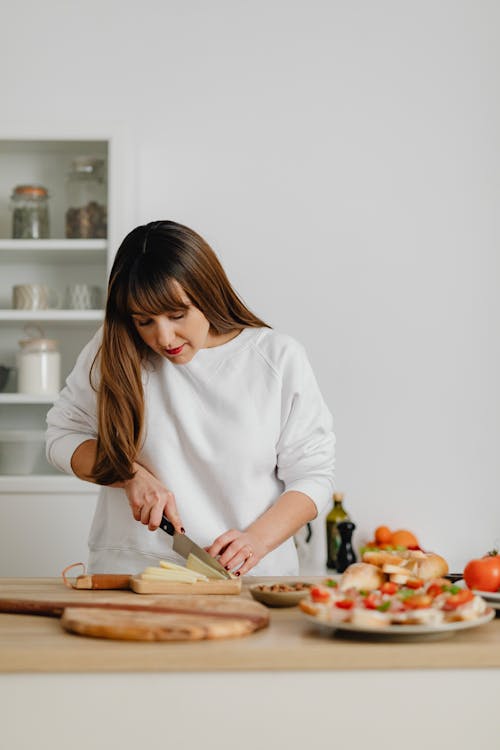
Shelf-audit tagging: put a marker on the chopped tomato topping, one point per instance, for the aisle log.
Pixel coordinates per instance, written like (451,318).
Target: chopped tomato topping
(389,587)
(435,589)
(372,601)
(319,595)
(456,600)
(414,583)
(418,601)
(345,604)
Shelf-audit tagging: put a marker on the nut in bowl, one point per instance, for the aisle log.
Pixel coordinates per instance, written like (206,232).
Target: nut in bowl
(279,594)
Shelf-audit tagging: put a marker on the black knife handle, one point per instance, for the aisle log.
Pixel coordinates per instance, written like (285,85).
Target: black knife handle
(167,526)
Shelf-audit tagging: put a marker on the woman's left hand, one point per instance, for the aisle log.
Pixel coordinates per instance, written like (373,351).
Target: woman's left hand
(238,550)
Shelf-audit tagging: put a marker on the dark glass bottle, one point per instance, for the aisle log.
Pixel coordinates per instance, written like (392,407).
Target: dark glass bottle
(335,516)
(345,553)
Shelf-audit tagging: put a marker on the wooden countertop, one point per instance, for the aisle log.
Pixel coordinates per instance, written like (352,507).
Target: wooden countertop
(39,644)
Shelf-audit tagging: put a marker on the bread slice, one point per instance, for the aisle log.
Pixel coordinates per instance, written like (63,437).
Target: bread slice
(399,578)
(432,566)
(369,618)
(382,557)
(361,576)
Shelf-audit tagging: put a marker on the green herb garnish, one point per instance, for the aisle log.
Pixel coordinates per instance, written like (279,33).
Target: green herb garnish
(384,606)
(405,594)
(331,582)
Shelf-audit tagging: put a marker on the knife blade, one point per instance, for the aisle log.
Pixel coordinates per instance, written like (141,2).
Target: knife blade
(184,546)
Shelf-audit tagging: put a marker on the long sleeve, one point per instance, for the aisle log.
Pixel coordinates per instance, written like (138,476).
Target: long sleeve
(227,433)
(306,446)
(73,418)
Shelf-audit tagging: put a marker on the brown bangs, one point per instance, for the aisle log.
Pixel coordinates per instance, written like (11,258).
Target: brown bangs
(153,296)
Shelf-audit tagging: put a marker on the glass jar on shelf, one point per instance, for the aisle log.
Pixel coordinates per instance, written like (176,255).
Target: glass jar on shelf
(86,214)
(30,212)
(38,364)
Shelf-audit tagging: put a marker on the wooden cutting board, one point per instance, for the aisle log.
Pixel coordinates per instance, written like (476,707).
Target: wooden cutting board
(212,586)
(123,615)
(104,581)
(155,626)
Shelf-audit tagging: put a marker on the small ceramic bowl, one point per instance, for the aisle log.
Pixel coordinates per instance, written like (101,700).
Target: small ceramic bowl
(263,593)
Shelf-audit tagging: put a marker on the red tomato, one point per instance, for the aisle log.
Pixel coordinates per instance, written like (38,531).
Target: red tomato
(435,589)
(389,587)
(414,583)
(319,595)
(418,601)
(456,600)
(483,574)
(345,604)
(372,601)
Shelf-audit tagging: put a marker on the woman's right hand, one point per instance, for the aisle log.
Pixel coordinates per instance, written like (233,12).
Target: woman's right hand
(149,499)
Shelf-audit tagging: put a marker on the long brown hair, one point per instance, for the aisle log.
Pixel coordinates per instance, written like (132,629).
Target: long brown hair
(149,261)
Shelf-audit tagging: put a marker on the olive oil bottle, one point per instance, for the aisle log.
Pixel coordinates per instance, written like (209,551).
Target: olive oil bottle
(335,516)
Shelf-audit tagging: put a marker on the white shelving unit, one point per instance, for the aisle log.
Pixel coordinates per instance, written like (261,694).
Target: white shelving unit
(53,316)
(45,158)
(23,398)
(52,251)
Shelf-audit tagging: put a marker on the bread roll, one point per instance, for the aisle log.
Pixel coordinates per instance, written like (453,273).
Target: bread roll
(369,618)
(432,566)
(362,576)
(414,554)
(425,565)
(382,557)
(397,569)
(399,578)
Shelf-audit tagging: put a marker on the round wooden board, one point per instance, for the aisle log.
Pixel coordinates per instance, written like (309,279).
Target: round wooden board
(223,621)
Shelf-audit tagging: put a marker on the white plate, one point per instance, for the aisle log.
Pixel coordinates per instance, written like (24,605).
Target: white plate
(492,597)
(403,632)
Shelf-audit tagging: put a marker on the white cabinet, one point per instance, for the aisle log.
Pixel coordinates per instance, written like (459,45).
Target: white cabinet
(56,262)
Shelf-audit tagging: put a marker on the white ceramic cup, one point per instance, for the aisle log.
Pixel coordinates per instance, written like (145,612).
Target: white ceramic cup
(83,297)
(34,297)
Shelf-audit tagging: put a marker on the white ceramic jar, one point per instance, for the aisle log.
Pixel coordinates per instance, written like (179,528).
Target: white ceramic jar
(39,367)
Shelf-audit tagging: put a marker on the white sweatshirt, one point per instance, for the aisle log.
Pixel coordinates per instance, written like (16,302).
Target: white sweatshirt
(227,433)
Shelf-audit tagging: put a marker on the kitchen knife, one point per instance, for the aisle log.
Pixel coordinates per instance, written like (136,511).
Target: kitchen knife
(184,546)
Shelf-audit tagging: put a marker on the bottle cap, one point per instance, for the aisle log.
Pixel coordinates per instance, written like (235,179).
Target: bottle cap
(338,497)
(38,345)
(36,340)
(30,191)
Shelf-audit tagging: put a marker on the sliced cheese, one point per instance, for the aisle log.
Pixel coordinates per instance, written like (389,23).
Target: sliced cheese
(183,574)
(194,563)
(171,566)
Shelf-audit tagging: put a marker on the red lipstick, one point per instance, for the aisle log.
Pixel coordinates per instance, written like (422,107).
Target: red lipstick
(175,352)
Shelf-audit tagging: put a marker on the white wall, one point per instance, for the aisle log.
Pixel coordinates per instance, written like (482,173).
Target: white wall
(343,159)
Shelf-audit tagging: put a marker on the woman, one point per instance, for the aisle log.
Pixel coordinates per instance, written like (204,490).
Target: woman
(185,403)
